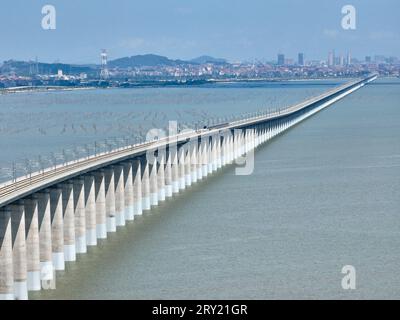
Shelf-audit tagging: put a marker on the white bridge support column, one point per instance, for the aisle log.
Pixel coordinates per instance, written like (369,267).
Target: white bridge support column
(146,204)
(168,176)
(6,256)
(199,159)
(100,198)
(19,251)
(90,210)
(57,228)
(188,165)
(119,195)
(219,151)
(210,154)
(109,185)
(80,215)
(46,248)
(193,160)
(181,164)
(128,187)
(32,244)
(161,177)
(153,184)
(175,170)
(137,187)
(69,221)
(204,156)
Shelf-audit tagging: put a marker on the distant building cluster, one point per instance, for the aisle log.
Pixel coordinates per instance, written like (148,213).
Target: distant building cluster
(152,69)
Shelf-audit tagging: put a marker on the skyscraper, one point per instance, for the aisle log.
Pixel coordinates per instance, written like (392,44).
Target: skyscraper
(281,59)
(348,58)
(300,60)
(331,59)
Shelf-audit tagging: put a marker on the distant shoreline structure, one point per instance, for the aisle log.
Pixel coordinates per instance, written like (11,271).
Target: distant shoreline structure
(156,84)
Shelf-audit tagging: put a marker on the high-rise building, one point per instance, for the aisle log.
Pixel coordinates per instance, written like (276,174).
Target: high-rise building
(348,58)
(341,61)
(331,59)
(281,59)
(368,59)
(300,60)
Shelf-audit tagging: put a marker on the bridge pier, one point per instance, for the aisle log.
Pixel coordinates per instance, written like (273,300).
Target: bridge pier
(188,165)
(175,170)
(57,228)
(193,161)
(145,185)
(80,215)
(6,256)
(46,254)
(128,188)
(100,200)
(69,221)
(32,244)
(109,184)
(161,177)
(204,156)
(90,210)
(119,195)
(181,165)
(168,176)
(153,184)
(137,188)
(19,251)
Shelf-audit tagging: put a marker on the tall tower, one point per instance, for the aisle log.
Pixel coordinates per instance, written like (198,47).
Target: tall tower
(104,69)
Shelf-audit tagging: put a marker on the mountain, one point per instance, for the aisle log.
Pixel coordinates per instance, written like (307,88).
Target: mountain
(148,60)
(208,59)
(27,68)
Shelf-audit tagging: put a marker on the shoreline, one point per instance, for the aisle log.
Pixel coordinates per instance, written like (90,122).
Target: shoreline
(157,84)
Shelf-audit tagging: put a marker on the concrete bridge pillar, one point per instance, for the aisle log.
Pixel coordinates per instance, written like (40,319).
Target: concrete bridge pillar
(100,199)
(214,153)
(69,221)
(57,228)
(19,251)
(109,184)
(168,175)
(219,151)
(210,153)
(128,188)
(80,215)
(199,159)
(204,156)
(32,244)
(90,210)
(181,164)
(137,187)
(46,254)
(175,170)
(161,177)
(119,195)
(188,165)
(153,184)
(145,185)
(6,256)
(193,161)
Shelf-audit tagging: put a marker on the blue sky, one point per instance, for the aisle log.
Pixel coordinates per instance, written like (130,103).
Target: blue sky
(232,29)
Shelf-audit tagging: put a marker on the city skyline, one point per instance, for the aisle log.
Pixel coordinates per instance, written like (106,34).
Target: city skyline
(231,30)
